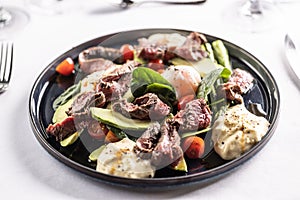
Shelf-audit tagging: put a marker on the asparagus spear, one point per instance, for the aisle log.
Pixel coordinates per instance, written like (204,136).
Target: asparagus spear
(208,48)
(221,53)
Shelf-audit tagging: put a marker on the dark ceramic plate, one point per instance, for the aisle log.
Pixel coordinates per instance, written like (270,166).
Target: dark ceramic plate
(49,85)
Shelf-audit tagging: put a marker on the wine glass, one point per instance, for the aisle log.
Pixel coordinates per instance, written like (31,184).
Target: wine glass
(253,15)
(12,20)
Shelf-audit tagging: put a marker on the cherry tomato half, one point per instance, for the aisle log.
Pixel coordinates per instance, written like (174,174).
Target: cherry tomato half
(66,67)
(127,52)
(193,147)
(184,100)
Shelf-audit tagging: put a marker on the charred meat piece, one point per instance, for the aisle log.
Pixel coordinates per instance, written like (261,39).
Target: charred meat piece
(242,78)
(232,92)
(99,58)
(191,49)
(80,107)
(146,143)
(62,130)
(116,81)
(114,90)
(152,52)
(195,116)
(239,83)
(148,106)
(167,150)
(107,53)
(93,65)
(86,100)
(116,72)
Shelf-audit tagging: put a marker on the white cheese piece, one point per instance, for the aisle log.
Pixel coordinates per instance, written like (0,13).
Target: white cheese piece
(237,131)
(119,159)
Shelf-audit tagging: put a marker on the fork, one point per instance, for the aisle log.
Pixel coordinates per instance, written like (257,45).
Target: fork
(127,3)
(6,62)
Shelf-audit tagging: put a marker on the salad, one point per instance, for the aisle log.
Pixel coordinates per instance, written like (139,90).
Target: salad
(157,104)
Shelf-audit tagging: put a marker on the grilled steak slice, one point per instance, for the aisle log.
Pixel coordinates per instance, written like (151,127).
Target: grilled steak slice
(191,49)
(115,73)
(85,100)
(114,90)
(167,150)
(242,78)
(148,141)
(107,53)
(62,130)
(116,81)
(238,84)
(100,58)
(152,52)
(93,65)
(148,106)
(195,116)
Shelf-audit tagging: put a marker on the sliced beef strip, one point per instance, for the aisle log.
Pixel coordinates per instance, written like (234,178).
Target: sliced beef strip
(148,141)
(152,52)
(195,116)
(100,58)
(148,106)
(242,78)
(191,49)
(116,82)
(102,52)
(86,100)
(63,129)
(167,150)
(160,144)
(115,73)
(93,65)
(114,90)
(238,84)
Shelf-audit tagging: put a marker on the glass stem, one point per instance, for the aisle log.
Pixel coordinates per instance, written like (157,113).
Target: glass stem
(252,8)
(5,17)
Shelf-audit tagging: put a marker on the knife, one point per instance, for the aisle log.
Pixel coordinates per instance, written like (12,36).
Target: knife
(293,56)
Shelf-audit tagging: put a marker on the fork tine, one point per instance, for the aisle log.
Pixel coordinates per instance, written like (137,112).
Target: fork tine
(11,50)
(1,57)
(6,62)
(2,67)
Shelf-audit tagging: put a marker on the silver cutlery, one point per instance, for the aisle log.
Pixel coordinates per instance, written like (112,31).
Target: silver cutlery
(128,3)
(292,55)
(6,62)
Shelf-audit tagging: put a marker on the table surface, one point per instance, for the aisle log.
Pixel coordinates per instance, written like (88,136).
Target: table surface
(27,171)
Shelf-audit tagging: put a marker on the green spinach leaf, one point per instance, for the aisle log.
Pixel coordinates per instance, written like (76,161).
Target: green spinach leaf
(145,80)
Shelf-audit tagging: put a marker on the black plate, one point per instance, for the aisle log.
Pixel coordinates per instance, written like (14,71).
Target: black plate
(49,85)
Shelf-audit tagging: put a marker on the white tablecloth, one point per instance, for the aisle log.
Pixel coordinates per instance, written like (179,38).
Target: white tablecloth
(27,171)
